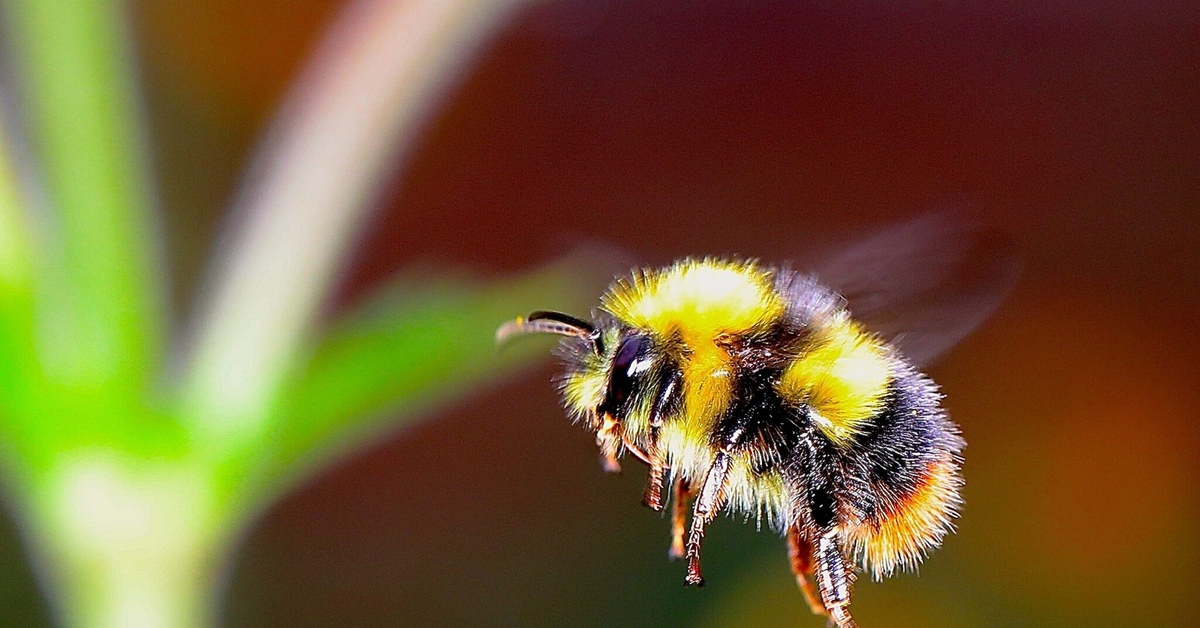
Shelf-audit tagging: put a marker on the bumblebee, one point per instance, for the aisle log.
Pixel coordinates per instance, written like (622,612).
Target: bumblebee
(792,397)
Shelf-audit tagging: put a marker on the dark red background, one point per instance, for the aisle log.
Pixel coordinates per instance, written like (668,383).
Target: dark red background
(765,129)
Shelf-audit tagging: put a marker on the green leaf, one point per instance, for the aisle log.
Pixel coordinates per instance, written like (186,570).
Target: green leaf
(416,346)
(106,322)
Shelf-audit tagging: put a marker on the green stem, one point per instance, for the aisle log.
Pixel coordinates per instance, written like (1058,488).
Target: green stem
(130,542)
(14,235)
(74,62)
(20,366)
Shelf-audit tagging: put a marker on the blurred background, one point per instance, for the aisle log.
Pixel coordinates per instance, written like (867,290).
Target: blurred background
(765,129)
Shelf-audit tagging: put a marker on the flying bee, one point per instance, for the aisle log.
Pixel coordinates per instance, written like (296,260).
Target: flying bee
(793,397)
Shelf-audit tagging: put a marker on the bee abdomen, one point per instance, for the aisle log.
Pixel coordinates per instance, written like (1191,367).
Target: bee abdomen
(907,462)
(897,448)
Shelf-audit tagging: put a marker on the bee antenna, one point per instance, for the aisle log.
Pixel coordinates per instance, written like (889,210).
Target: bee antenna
(544,322)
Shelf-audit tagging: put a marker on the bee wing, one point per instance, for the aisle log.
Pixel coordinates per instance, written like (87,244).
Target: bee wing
(924,284)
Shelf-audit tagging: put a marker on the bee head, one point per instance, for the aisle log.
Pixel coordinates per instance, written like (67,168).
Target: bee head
(609,366)
(633,379)
(632,365)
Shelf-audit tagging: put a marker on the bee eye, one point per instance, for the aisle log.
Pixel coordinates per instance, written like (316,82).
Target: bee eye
(632,362)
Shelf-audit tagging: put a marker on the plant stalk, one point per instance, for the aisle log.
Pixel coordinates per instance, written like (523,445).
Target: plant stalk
(354,114)
(130,543)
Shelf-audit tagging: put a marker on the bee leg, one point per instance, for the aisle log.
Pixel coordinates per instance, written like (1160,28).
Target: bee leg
(800,552)
(683,498)
(652,497)
(608,439)
(665,403)
(834,580)
(708,503)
